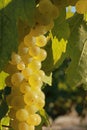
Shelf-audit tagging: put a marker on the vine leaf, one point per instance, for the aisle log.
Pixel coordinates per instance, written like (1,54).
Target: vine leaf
(9,17)
(55,49)
(3,76)
(83,65)
(3,109)
(77,41)
(48,79)
(58,48)
(61,27)
(4,3)
(5,121)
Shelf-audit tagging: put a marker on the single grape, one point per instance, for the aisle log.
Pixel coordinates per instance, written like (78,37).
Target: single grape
(27,72)
(29,40)
(22,49)
(42,55)
(32,109)
(40,103)
(35,65)
(15,58)
(21,66)
(24,87)
(41,73)
(17,78)
(34,119)
(30,98)
(41,41)
(41,94)
(22,115)
(34,50)
(35,81)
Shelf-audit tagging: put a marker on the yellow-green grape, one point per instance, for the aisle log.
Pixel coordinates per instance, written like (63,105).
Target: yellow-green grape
(45,7)
(34,119)
(81,6)
(21,66)
(34,50)
(17,102)
(41,94)
(30,98)
(35,81)
(41,73)
(22,49)
(17,78)
(42,55)
(35,65)
(38,30)
(25,126)
(27,72)
(41,41)
(40,103)
(29,40)
(22,115)
(15,58)
(24,87)
(32,109)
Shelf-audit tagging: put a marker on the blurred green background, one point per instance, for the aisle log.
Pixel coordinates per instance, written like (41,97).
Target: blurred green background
(61,98)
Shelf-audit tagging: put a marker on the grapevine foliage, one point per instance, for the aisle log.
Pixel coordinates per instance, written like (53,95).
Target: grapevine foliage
(17,9)
(75,49)
(67,40)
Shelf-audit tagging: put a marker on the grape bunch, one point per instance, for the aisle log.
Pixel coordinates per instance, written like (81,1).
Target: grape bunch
(26,80)
(26,76)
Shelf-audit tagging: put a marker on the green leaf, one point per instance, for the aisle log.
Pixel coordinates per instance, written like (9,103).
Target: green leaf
(47,65)
(48,79)
(61,27)
(83,65)
(8,36)
(3,109)
(7,90)
(25,10)
(9,17)
(5,122)
(4,3)
(75,49)
(3,76)
(55,49)
(58,47)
